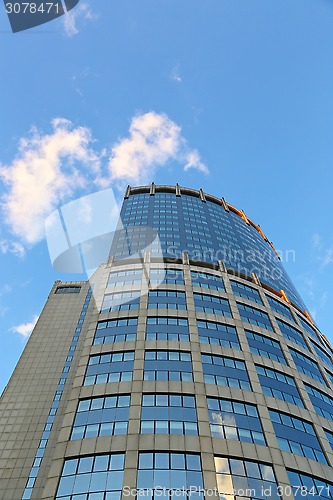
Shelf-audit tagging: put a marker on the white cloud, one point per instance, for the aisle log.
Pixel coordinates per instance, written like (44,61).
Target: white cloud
(51,169)
(80,11)
(153,141)
(175,74)
(327,258)
(13,247)
(323,252)
(5,289)
(317,241)
(193,160)
(42,174)
(25,329)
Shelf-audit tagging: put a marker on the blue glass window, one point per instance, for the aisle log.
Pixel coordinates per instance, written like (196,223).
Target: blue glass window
(122,301)
(290,333)
(330,375)
(238,478)
(172,471)
(100,476)
(167,328)
(166,299)
(305,486)
(306,365)
(280,308)
(236,421)
(245,291)
(168,365)
(322,403)
(322,354)
(220,370)
(122,278)
(296,436)
(103,416)
(166,276)
(278,385)
(218,334)
(265,346)
(206,280)
(307,327)
(329,436)
(168,414)
(112,367)
(211,304)
(254,316)
(116,330)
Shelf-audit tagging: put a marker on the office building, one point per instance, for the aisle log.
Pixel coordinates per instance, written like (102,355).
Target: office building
(187,366)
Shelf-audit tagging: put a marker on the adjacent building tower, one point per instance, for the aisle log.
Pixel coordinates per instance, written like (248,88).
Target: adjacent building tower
(192,370)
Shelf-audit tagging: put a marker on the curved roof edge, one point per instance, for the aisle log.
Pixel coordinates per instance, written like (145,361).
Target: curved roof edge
(198,193)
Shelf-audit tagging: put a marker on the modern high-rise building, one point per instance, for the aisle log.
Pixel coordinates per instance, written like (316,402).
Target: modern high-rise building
(187,366)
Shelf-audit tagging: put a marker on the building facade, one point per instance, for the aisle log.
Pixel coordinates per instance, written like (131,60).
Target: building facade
(186,367)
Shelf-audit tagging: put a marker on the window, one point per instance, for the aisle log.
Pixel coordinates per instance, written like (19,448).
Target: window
(166,299)
(236,421)
(105,416)
(307,327)
(278,385)
(296,436)
(265,346)
(212,305)
(280,308)
(122,278)
(113,367)
(254,316)
(168,276)
(116,330)
(306,365)
(245,291)
(172,471)
(168,365)
(68,289)
(322,354)
(290,333)
(123,301)
(305,486)
(168,414)
(167,328)
(206,280)
(330,375)
(218,334)
(329,436)
(94,474)
(322,403)
(229,372)
(241,478)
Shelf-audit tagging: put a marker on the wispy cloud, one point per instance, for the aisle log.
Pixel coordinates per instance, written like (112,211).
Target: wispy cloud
(25,329)
(82,11)
(51,168)
(323,251)
(175,74)
(13,247)
(317,241)
(327,258)
(154,139)
(80,77)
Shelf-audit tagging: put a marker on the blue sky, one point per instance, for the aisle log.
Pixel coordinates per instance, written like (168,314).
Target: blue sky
(240,91)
